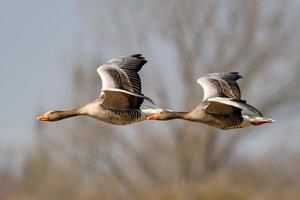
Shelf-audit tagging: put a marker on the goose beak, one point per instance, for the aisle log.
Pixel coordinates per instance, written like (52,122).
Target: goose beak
(152,117)
(43,117)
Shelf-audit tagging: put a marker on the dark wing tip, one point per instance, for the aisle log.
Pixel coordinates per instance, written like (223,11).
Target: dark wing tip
(226,75)
(252,108)
(240,101)
(138,56)
(237,74)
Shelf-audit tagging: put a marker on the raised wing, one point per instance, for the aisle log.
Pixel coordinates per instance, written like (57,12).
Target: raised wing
(130,65)
(113,77)
(221,85)
(121,85)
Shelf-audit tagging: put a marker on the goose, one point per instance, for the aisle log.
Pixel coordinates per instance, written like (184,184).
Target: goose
(221,107)
(120,99)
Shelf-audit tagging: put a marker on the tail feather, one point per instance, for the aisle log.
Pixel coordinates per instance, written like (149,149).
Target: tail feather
(259,121)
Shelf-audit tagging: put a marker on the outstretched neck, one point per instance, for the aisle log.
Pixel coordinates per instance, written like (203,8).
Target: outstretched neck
(63,114)
(70,113)
(90,109)
(181,115)
(177,115)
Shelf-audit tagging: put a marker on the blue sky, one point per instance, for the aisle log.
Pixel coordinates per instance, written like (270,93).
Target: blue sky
(35,39)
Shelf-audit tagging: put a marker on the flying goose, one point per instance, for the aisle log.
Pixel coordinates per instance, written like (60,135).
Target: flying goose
(120,99)
(221,106)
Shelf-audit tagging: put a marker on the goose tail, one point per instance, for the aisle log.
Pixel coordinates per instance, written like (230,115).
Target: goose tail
(260,120)
(256,121)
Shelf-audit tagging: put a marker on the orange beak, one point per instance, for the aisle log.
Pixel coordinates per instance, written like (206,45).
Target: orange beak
(43,117)
(152,117)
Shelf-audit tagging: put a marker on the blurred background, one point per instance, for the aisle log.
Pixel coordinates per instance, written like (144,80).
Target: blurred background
(49,54)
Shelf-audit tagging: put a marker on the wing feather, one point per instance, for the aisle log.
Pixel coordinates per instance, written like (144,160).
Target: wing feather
(121,84)
(218,108)
(130,65)
(221,85)
(246,108)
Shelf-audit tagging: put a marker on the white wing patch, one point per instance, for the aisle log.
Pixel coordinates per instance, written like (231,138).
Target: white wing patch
(209,89)
(108,81)
(225,101)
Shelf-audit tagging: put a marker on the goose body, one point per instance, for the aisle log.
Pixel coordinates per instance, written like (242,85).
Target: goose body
(221,106)
(120,99)
(116,116)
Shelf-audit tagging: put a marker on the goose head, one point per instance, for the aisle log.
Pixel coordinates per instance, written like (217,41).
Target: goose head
(52,115)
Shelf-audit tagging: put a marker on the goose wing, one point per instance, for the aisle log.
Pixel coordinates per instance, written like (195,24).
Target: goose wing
(119,99)
(240,104)
(218,108)
(221,85)
(121,84)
